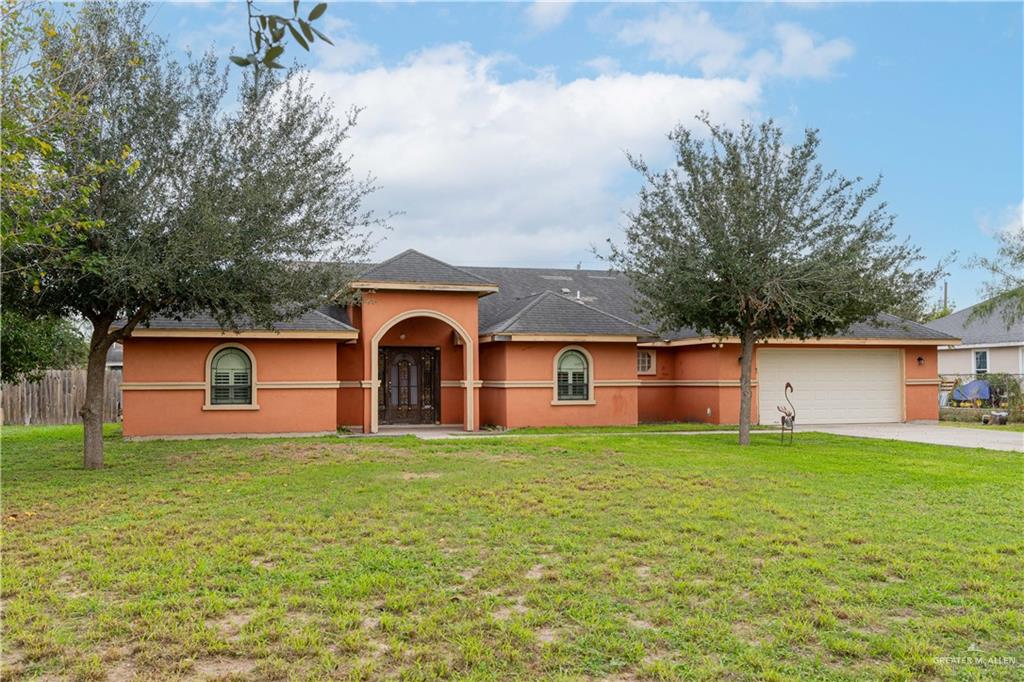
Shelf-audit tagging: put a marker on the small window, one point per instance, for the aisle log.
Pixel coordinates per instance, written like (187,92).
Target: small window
(981,362)
(573,376)
(645,362)
(231,378)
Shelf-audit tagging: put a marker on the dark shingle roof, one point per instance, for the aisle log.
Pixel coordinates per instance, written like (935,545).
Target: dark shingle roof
(415,267)
(612,292)
(551,313)
(887,327)
(324,319)
(602,289)
(988,329)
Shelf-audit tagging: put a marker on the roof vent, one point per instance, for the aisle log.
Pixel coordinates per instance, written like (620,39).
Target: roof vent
(577,294)
(565,290)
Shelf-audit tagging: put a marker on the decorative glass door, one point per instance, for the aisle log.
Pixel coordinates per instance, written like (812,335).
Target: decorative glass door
(409,386)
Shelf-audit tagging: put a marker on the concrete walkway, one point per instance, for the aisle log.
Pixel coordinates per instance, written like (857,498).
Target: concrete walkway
(444,432)
(989,439)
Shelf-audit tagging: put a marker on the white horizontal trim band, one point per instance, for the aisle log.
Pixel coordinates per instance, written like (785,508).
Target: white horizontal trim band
(967,346)
(163,386)
(704,383)
(200,386)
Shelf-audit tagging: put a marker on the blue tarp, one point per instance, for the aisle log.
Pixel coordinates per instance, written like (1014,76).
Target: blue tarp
(974,390)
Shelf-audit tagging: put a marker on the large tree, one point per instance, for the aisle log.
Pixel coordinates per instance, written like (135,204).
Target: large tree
(240,211)
(748,238)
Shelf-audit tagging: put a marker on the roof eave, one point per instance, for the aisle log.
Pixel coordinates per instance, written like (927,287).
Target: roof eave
(481,289)
(150,332)
(823,341)
(497,336)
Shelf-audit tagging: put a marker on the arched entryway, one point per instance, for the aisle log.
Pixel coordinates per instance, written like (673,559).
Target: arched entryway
(410,365)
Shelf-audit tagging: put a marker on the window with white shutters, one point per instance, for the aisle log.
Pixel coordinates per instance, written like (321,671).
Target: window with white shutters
(573,376)
(645,362)
(231,378)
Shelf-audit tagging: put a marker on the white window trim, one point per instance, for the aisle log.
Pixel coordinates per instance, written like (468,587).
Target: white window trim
(654,361)
(974,360)
(208,383)
(590,377)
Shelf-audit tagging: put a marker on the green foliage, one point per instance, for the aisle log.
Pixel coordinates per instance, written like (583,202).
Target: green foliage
(267,33)
(1006,288)
(44,199)
(924,312)
(33,345)
(748,237)
(244,211)
(1006,392)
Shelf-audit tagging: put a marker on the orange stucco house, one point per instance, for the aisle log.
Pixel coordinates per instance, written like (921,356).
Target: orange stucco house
(431,343)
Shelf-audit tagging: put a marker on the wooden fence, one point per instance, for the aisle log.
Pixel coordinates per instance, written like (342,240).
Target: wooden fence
(57,398)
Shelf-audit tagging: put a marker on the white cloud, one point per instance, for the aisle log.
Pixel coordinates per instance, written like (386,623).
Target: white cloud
(522,172)
(545,15)
(1008,221)
(683,35)
(799,56)
(603,65)
(687,35)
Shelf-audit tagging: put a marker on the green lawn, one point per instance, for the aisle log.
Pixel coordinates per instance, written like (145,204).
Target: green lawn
(569,557)
(979,425)
(664,427)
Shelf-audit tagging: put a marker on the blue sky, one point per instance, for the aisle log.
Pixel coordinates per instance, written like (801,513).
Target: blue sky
(499,129)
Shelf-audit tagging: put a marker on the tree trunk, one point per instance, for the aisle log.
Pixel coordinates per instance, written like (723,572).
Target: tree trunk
(92,409)
(746,370)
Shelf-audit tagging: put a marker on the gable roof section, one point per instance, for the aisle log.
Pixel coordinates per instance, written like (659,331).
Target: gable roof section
(605,290)
(551,313)
(990,329)
(413,267)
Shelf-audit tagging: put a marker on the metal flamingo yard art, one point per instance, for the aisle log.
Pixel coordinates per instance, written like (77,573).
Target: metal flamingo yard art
(788,415)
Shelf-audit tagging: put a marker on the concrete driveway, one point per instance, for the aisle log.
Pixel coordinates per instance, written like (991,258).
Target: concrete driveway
(928,433)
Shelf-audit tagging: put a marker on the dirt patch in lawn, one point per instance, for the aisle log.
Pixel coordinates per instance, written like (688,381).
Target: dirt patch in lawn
(517,607)
(223,668)
(229,626)
(639,624)
(746,633)
(418,475)
(547,635)
(536,572)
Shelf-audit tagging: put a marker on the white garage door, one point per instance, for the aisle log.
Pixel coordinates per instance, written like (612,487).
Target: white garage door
(830,386)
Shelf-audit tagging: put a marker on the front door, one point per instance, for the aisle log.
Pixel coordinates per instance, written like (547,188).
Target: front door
(409,386)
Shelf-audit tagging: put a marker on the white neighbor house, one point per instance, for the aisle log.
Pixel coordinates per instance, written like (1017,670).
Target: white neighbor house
(986,346)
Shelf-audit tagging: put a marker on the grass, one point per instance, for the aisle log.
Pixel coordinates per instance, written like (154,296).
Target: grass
(979,425)
(663,427)
(569,557)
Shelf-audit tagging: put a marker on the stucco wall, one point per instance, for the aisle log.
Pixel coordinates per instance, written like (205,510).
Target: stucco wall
(707,378)
(379,308)
(961,360)
(179,411)
(528,369)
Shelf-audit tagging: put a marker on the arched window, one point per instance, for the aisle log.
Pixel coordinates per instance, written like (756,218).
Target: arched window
(231,378)
(573,376)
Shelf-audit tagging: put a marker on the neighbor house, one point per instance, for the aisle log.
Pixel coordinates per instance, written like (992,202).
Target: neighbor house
(431,343)
(987,344)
